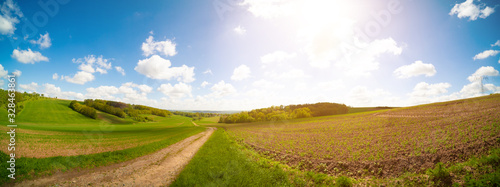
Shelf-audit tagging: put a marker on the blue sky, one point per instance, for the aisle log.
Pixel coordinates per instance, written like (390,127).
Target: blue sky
(246,54)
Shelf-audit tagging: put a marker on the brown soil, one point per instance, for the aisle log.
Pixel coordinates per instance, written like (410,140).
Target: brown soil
(383,168)
(157,169)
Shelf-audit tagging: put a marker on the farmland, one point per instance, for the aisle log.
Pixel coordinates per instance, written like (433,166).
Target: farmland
(386,143)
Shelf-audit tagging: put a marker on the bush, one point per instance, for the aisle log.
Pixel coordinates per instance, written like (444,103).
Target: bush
(83,109)
(343,181)
(439,175)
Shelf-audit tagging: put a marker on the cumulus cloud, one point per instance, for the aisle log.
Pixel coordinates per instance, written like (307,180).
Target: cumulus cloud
(3,72)
(204,84)
(9,17)
(120,70)
(241,72)
(277,57)
(481,72)
(222,89)
(415,69)
(17,73)
(477,86)
(156,67)
(32,87)
(91,64)
(240,30)
(51,90)
(55,76)
(471,10)
(88,65)
(486,54)
(176,91)
(28,56)
(102,92)
(44,41)
(81,77)
(424,89)
(151,47)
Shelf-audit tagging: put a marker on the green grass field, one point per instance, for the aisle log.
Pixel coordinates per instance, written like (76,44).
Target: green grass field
(56,138)
(221,162)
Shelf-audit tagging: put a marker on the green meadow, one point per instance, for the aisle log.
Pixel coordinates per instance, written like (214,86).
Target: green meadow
(52,137)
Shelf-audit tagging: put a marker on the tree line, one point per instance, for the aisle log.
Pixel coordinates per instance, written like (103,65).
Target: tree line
(19,99)
(280,113)
(123,110)
(83,109)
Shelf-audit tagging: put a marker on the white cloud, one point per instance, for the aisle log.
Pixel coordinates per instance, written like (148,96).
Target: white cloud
(204,84)
(179,90)
(222,89)
(292,74)
(80,78)
(9,17)
(120,70)
(363,60)
(496,43)
(277,57)
(156,67)
(471,10)
(88,65)
(17,73)
(267,85)
(415,69)
(132,93)
(270,8)
(86,68)
(361,96)
(166,48)
(44,41)
(55,76)
(3,72)
(428,93)
(100,70)
(481,72)
(486,54)
(208,71)
(331,85)
(93,62)
(241,72)
(28,56)
(240,30)
(102,92)
(51,90)
(424,89)
(32,87)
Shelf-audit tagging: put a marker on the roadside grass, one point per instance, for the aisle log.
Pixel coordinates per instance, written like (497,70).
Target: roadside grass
(220,162)
(224,162)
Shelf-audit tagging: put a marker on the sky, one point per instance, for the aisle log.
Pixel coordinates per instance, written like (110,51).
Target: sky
(248,54)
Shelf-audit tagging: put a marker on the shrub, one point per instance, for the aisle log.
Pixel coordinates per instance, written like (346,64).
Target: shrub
(83,109)
(439,175)
(343,181)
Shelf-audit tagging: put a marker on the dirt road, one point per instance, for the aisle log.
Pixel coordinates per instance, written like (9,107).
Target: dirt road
(157,169)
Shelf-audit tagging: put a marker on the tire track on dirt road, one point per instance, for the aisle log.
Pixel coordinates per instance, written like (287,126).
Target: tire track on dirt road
(157,169)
